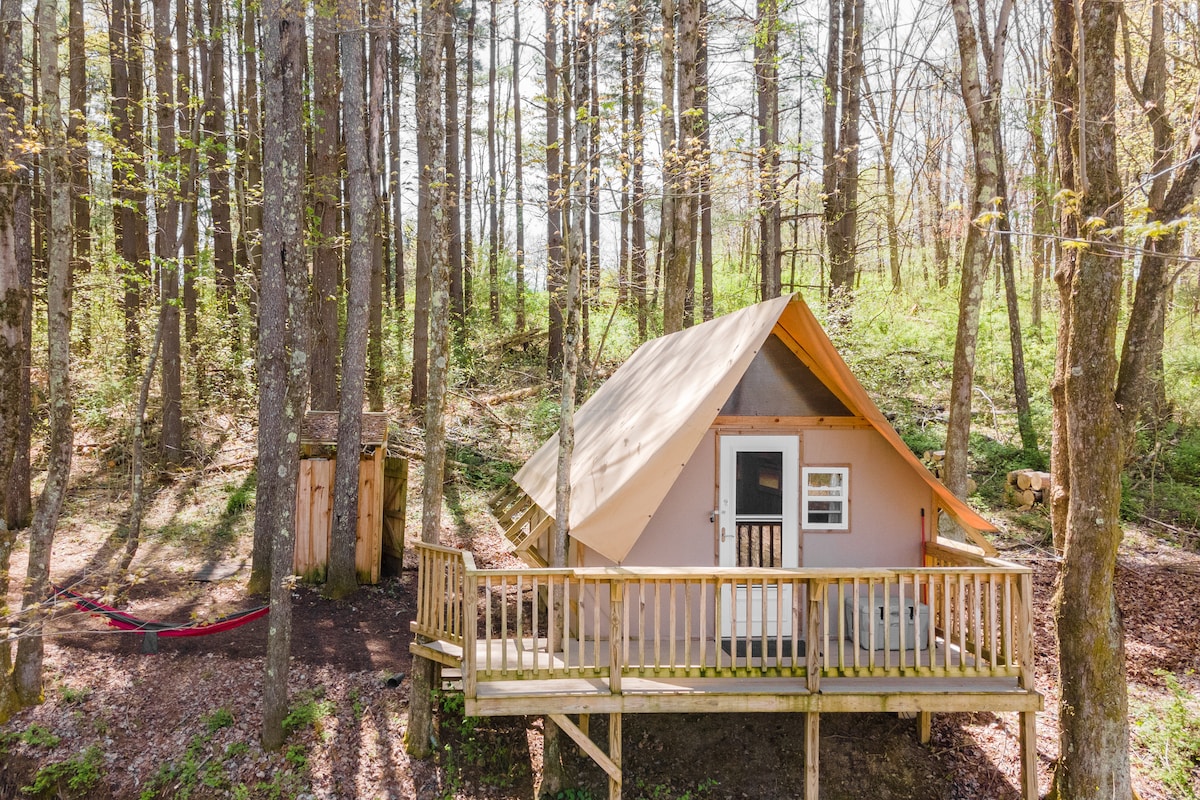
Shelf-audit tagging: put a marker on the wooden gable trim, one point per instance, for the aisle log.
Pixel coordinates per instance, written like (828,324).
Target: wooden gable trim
(751,423)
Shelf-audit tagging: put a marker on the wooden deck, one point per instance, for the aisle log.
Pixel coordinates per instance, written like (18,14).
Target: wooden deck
(952,636)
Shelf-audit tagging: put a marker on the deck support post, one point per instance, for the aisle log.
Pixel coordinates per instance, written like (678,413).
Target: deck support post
(812,755)
(614,752)
(924,726)
(1029,777)
(610,762)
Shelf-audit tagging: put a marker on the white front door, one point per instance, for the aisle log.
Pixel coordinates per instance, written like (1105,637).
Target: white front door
(759,513)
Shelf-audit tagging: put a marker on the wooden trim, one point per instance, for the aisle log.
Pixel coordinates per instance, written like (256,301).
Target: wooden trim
(773,421)
(542,699)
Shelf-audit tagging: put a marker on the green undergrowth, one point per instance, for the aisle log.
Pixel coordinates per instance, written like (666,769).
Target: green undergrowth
(487,751)
(69,778)
(1162,482)
(1168,731)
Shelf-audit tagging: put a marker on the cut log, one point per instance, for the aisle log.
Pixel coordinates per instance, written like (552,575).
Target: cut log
(1023,480)
(1039,481)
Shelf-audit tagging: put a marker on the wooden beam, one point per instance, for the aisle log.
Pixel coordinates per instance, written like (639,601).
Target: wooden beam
(589,747)
(529,701)
(812,755)
(1029,777)
(924,726)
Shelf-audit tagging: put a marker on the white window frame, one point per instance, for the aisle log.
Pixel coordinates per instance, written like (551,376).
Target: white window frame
(810,525)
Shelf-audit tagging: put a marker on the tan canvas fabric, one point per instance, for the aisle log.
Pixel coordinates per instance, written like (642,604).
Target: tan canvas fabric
(633,437)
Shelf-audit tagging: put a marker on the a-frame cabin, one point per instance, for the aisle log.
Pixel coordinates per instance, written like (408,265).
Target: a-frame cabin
(747,533)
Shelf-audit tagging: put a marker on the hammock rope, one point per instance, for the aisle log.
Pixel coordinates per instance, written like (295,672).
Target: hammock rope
(128,622)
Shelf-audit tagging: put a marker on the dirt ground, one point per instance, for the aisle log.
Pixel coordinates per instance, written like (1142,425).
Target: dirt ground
(184,722)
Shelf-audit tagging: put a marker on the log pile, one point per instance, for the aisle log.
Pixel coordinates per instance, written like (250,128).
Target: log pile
(935,462)
(1026,488)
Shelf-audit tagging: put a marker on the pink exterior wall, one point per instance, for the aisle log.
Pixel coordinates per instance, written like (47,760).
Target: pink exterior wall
(886,498)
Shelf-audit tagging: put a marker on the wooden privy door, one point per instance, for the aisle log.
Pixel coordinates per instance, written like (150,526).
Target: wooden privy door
(759,526)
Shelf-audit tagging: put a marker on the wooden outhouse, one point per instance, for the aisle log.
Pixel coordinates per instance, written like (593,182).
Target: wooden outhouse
(747,533)
(382,484)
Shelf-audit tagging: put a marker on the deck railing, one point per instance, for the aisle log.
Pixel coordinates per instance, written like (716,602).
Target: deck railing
(964,619)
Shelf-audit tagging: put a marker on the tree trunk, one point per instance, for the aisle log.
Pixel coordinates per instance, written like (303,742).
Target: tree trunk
(341,580)
(190,96)
(15,300)
(166,212)
(454,166)
(554,200)
(399,300)
(983,114)
(283,335)
(678,263)
(377,19)
(468,162)
(325,191)
(56,171)
(766,80)
(77,135)
(1171,191)
(431,139)
(553,775)
(706,251)
(518,167)
(1089,447)
(843,80)
(493,253)
(637,266)
(1029,445)
(252,157)
(15,303)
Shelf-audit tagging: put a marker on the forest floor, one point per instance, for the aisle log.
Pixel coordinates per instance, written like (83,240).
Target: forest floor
(185,722)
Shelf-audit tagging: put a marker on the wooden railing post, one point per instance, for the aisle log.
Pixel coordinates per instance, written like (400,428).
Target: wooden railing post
(616,633)
(1025,631)
(470,629)
(812,655)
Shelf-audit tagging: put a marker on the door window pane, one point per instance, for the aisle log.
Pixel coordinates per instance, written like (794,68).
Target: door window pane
(759,480)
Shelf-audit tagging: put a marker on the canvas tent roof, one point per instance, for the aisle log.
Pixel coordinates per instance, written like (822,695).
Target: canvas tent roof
(634,436)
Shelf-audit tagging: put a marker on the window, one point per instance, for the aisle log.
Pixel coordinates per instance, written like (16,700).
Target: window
(825,498)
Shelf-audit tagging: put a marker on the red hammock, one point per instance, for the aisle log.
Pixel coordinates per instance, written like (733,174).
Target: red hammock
(126,622)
